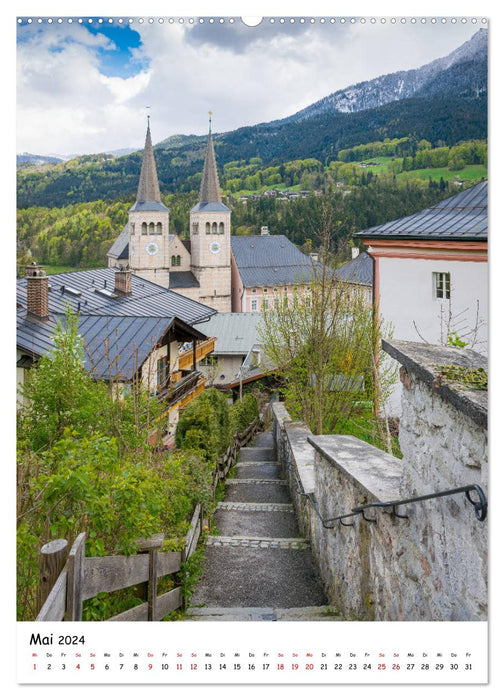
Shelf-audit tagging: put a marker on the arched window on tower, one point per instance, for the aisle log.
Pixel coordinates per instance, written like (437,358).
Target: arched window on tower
(144,228)
(214,227)
(195,228)
(207,227)
(132,228)
(159,227)
(151,227)
(221,227)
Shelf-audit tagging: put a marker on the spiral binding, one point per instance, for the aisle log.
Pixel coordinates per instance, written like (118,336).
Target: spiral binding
(231,20)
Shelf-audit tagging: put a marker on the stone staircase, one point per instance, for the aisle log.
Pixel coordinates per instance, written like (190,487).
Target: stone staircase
(258,568)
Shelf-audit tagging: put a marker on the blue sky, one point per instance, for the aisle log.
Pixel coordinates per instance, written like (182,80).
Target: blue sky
(83,86)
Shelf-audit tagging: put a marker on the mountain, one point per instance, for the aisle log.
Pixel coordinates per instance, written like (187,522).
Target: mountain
(32,159)
(448,74)
(444,102)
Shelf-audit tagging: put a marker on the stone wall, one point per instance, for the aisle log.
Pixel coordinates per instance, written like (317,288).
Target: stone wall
(431,565)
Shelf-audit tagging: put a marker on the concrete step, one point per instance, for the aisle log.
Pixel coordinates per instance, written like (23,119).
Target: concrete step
(261,470)
(247,576)
(263,440)
(257,491)
(257,454)
(307,613)
(253,523)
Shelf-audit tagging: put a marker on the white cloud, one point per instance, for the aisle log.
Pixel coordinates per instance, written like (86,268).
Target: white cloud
(66,105)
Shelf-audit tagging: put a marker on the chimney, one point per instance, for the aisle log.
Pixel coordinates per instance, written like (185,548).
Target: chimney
(37,291)
(264,231)
(122,284)
(355,253)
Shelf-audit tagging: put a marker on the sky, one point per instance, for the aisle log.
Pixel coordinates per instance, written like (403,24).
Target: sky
(86,87)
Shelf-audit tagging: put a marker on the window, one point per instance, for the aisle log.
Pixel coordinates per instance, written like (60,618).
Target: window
(254,290)
(132,229)
(221,228)
(144,228)
(265,290)
(195,229)
(253,305)
(265,304)
(162,371)
(175,260)
(151,227)
(209,361)
(159,227)
(214,227)
(207,227)
(442,285)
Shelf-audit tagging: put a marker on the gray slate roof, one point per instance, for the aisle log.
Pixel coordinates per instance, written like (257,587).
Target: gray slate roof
(115,347)
(210,206)
(120,247)
(236,333)
(357,271)
(119,332)
(269,261)
(85,291)
(182,280)
(461,217)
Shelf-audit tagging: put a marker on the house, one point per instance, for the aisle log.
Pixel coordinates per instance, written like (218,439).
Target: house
(235,335)
(264,267)
(431,273)
(132,331)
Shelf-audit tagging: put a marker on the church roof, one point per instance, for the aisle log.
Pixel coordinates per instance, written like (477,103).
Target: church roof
(270,260)
(148,196)
(120,247)
(210,188)
(461,217)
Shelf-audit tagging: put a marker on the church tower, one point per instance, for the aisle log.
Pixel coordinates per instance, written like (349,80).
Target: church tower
(148,224)
(210,228)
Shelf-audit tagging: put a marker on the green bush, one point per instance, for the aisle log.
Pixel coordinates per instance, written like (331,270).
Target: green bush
(244,412)
(205,426)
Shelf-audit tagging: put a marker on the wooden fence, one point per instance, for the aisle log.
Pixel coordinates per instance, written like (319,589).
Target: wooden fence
(66,580)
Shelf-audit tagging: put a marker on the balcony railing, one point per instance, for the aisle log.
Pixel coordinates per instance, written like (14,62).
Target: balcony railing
(203,348)
(173,392)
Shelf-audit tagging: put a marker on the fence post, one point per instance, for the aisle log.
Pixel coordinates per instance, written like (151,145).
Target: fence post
(52,559)
(75,573)
(151,546)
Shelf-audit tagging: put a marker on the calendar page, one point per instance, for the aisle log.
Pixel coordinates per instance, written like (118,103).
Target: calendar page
(252,347)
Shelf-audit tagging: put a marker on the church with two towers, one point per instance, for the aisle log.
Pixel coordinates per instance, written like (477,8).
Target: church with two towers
(198,268)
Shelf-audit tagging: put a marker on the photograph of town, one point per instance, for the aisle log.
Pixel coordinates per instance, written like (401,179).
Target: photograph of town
(252,319)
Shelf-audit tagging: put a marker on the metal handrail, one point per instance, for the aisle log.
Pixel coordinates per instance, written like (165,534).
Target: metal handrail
(480,505)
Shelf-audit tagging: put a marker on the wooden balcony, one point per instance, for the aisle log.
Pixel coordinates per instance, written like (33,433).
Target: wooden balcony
(203,348)
(175,391)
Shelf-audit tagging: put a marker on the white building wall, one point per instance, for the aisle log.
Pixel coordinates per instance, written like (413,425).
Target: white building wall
(407,299)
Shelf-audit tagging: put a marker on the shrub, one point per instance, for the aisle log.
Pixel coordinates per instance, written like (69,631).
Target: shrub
(243,412)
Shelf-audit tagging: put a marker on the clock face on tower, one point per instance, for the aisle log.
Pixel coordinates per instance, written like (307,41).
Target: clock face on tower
(214,247)
(151,248)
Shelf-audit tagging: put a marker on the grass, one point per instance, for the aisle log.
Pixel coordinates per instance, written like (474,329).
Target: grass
(363,425)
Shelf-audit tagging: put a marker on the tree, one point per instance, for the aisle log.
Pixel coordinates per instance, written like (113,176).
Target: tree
(324,343)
